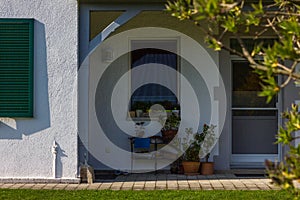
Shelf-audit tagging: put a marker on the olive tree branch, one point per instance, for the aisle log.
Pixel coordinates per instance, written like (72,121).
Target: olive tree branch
(293,67)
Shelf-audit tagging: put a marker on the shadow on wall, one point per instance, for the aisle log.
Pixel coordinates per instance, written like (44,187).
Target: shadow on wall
(15,128)
(84,153)
(59,165)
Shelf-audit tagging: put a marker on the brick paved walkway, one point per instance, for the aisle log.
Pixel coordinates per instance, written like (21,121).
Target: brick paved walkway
(159,182)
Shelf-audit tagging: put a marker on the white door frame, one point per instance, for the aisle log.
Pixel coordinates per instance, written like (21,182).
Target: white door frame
(253,160)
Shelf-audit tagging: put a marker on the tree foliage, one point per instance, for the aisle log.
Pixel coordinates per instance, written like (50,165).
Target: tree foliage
(240,18)
(216,18)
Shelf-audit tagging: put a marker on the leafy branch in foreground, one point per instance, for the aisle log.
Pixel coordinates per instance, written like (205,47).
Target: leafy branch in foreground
(239,19)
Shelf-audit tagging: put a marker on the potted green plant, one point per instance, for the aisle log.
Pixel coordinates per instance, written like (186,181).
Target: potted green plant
(139,107)
(190,159)
(170,126)
(207,168)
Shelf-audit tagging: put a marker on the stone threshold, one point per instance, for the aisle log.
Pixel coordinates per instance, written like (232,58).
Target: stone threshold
(40,180)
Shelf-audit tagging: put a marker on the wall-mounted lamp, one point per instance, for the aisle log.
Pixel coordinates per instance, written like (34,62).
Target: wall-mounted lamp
(107,55)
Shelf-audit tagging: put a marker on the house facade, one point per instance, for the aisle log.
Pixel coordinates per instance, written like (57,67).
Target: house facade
(91,70)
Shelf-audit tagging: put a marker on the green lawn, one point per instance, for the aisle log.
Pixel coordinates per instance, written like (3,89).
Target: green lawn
(108,194)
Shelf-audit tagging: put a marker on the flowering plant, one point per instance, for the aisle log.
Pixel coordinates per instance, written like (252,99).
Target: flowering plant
(208,142)
(198,144)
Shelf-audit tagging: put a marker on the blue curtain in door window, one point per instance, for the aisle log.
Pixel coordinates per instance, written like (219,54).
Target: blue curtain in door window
(154,93)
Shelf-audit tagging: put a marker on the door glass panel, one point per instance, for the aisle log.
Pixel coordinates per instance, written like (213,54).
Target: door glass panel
(254,122)
(246,86)
(253,132)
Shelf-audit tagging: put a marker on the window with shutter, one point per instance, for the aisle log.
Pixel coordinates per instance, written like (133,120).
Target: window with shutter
(16,67)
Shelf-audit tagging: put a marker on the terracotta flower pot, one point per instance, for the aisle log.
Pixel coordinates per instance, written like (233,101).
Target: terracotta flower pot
(190,167)
(168,135)
(207,168)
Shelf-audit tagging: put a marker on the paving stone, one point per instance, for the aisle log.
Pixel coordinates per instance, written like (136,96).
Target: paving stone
(161,187)
(194,184)
(183,186)
(207,188)
(241,188)
(161,182)
(227,185)
(126,188)
(60,186)
(71,186)
(38,186)
(229,188)
(239,185)
(253,188)
(149,187)
(30,185)
(219,188)
(263,188)
(105,186)
(182,182)
(204,182)
(138,186)
(261,185)
(217,185)
(139,183)
(7,185)
(82,186)
(115,188)
(150,184)
(172,181)
(172,188)
(17,186)
(128,184)
(172,185)
(94,186)
(116,185)
(274,187)
(195,188)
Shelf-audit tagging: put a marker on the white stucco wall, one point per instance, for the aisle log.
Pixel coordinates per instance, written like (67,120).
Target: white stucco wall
(99,145)
(25,144)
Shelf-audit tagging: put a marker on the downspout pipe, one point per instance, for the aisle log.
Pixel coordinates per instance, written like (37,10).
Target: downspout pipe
(54,154)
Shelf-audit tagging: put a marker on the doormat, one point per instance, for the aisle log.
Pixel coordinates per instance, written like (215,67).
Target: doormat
(251,175)
(104,175)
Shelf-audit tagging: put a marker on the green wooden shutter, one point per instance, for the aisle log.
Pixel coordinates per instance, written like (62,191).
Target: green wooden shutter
(16,67)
